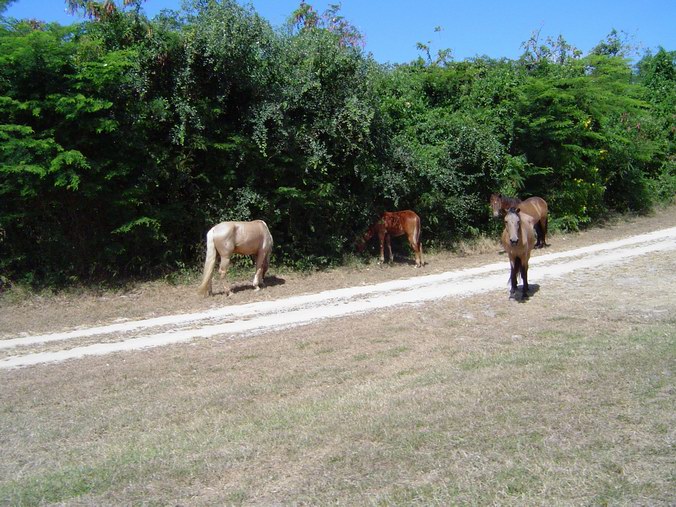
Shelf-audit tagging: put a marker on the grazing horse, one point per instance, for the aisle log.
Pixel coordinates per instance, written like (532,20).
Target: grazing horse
(518,240)
(533,206)
(395,223)
(245,238)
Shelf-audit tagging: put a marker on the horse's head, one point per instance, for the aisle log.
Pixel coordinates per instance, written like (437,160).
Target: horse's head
(361,242)
(512,225)
(496,204)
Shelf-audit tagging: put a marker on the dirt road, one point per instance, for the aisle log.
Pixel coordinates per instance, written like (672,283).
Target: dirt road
(251,318)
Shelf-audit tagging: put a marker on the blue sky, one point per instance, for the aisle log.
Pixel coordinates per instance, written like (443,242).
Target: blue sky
(469,27)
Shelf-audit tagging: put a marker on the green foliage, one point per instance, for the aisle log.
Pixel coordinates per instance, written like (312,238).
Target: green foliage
(123,139)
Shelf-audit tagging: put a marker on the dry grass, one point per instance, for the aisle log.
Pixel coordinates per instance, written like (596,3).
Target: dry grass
(564,400)
(567,399)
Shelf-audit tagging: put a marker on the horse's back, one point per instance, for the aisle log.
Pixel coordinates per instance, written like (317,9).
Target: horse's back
(264,233)
(398,223)
(401,222)
(536,207)
(246,238)
(406,214)
(222,231)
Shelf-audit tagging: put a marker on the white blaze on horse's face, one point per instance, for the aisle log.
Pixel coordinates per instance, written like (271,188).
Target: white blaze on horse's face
(512,225)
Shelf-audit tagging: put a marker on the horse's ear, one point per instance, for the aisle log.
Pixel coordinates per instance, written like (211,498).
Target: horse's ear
(518,210)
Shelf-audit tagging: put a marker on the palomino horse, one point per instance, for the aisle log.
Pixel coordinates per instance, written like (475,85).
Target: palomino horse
(396,223)
(518,240)
(245,238)
(533,206)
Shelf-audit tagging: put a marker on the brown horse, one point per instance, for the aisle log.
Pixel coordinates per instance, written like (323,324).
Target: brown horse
(396,223)
(245,238)
(533,206)
(518,240)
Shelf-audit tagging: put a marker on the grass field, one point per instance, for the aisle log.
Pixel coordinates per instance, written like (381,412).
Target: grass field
(565,400)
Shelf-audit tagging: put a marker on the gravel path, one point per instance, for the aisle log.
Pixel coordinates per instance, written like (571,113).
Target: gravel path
(247,319)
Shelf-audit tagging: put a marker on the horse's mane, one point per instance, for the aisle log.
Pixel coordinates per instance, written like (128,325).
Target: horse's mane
(512,202)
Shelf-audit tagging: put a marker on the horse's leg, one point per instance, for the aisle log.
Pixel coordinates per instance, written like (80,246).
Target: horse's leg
(388,238)
(524,279)
(417,250)
(539,234)
(261,268)
(223,270)
(381,237)
(266,265)
(514,270)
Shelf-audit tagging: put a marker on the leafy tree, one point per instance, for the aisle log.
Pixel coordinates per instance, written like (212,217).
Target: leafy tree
(4,5)
(123,139)
(657,74)
(101,10)
(615,44)
(551,54)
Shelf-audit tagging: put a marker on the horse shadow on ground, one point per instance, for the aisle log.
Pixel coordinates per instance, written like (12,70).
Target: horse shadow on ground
(270,281)
(399,260)
(533,288)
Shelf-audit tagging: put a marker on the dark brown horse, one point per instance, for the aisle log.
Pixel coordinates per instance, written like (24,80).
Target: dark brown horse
(395,223)
(536,207)
(518,240)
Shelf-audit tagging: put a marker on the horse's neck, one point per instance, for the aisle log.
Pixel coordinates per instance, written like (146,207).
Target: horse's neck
(526,229)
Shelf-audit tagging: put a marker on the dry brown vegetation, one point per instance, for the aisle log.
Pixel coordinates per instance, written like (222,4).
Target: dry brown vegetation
(567,399)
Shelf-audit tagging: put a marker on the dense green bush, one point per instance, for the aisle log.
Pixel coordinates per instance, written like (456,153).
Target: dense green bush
(123,139)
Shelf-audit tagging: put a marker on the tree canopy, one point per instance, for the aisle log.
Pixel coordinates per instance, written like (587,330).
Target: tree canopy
(124,139)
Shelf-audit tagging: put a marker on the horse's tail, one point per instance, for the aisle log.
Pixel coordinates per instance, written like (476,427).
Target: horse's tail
(544,226)
(418,232)
(268,243)
(205,287)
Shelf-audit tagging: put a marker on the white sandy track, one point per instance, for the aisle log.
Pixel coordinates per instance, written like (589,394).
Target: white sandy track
(299,310)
